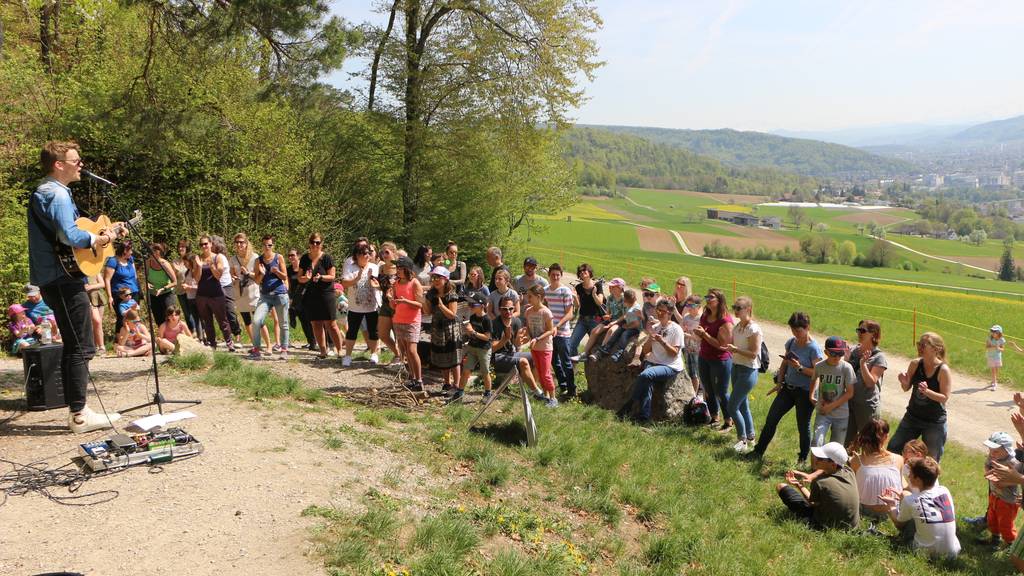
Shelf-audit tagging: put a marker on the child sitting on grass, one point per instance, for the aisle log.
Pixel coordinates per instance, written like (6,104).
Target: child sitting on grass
(929,506)
(833,382)
(133,340)
(168,332)
(478,351)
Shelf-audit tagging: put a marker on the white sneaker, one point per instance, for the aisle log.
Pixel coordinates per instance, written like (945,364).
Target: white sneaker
(331,352)
(374,359)
(740,446)
(346,361)
(87,420)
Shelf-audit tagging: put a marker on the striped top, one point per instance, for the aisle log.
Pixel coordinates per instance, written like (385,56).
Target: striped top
(559,300)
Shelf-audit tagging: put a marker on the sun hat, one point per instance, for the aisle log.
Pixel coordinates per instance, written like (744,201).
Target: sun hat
(833,451)
(1000,440)
(617,282)
(996,328)
(15,309)
(440,271)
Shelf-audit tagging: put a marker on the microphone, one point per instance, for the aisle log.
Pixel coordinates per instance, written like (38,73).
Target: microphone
(97,178)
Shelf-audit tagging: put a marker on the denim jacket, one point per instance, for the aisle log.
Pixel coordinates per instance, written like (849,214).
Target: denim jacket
(55,207)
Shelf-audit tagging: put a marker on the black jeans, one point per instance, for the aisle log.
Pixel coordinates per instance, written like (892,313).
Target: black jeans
(229,310)
(158,306)
(307,326)
(73,311)
(796,503)
(785,400)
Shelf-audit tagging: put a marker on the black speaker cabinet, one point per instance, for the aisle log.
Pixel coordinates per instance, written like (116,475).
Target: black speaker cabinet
(43,387)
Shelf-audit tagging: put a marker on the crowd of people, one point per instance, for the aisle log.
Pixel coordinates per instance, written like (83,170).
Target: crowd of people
(434,309)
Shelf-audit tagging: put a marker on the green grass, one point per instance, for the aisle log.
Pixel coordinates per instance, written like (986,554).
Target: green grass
(189,362)
(255,383)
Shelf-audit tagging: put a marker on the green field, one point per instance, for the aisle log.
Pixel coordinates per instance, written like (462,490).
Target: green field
(948,248)
(835,304)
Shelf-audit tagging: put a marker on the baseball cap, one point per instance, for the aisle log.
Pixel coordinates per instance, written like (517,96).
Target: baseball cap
(475,299)
(405,262)
(835,344)
(996,328)
(1000,440)
(440,271)
(15,309)
(653,287)
(617,282)
(530,261)
(833,451)
(31,290)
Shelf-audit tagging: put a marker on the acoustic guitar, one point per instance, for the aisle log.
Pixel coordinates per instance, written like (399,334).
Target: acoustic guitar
(90,261)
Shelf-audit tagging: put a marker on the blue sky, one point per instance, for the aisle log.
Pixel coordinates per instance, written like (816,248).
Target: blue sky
(797,65)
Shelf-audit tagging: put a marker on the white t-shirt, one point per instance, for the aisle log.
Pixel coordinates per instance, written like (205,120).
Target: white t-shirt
(742,336)
(362,296)
(225,276)
(934,520)
(673,335)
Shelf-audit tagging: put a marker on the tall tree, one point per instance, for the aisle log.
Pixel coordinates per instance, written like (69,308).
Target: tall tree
(1007,268)
(517,62)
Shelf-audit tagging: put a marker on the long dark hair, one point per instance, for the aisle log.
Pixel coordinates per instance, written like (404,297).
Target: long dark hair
(720,306)
(421,256)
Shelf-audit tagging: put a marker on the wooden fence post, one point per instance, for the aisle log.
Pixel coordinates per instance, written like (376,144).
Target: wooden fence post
(915,326)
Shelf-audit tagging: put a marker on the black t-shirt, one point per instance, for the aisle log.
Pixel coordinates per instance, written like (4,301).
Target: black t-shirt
(481,325)
(588,305)
(492,287)
(498,332)
(322,266)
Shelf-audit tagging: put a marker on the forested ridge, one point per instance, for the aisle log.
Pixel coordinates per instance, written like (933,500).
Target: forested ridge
(760,150)
(212,117)
(605,160)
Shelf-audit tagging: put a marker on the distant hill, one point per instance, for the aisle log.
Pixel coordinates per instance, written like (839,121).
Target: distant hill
(605,159)
(879,135)
(997,132)
(760,150)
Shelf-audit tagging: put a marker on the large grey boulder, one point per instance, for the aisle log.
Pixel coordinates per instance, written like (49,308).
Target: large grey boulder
(610,386)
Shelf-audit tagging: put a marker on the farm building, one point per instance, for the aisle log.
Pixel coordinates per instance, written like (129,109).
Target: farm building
(773,222)
(741,218)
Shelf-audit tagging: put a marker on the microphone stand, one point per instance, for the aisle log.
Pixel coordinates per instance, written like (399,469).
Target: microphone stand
(158,398)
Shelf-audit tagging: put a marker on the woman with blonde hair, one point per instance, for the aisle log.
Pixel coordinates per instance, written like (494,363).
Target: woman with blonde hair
(246,287)
(930,382)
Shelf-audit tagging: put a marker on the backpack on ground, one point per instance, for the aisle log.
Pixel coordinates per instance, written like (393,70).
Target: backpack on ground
(763,359)
(696,412)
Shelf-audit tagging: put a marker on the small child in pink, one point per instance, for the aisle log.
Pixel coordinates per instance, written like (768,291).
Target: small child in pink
(541,327)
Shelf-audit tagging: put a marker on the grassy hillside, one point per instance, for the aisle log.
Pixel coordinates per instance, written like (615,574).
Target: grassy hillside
(606,160)
(756,149)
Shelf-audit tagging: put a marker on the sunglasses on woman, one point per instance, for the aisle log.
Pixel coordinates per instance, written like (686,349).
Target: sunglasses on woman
(861,330)
(315,242)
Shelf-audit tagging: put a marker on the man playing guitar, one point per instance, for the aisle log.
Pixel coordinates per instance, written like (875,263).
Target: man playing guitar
(51,220)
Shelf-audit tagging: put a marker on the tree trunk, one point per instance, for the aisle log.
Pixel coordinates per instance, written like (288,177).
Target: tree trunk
(45,45)
(378,53)
(413,124)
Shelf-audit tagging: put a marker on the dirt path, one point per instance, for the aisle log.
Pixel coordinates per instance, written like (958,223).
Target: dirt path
(233,510)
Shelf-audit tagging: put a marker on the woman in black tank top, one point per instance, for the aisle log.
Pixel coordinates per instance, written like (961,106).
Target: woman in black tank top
(930,384)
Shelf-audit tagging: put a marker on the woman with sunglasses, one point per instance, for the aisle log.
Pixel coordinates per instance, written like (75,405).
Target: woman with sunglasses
(246,287)
(446,328)
(930,382)
(746,350)
(456,268)
(208,266)
(590,296)
(319,300)
(296,290)
(119,272)
(715,361)
(869,365)
(271,275)
(359,277)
